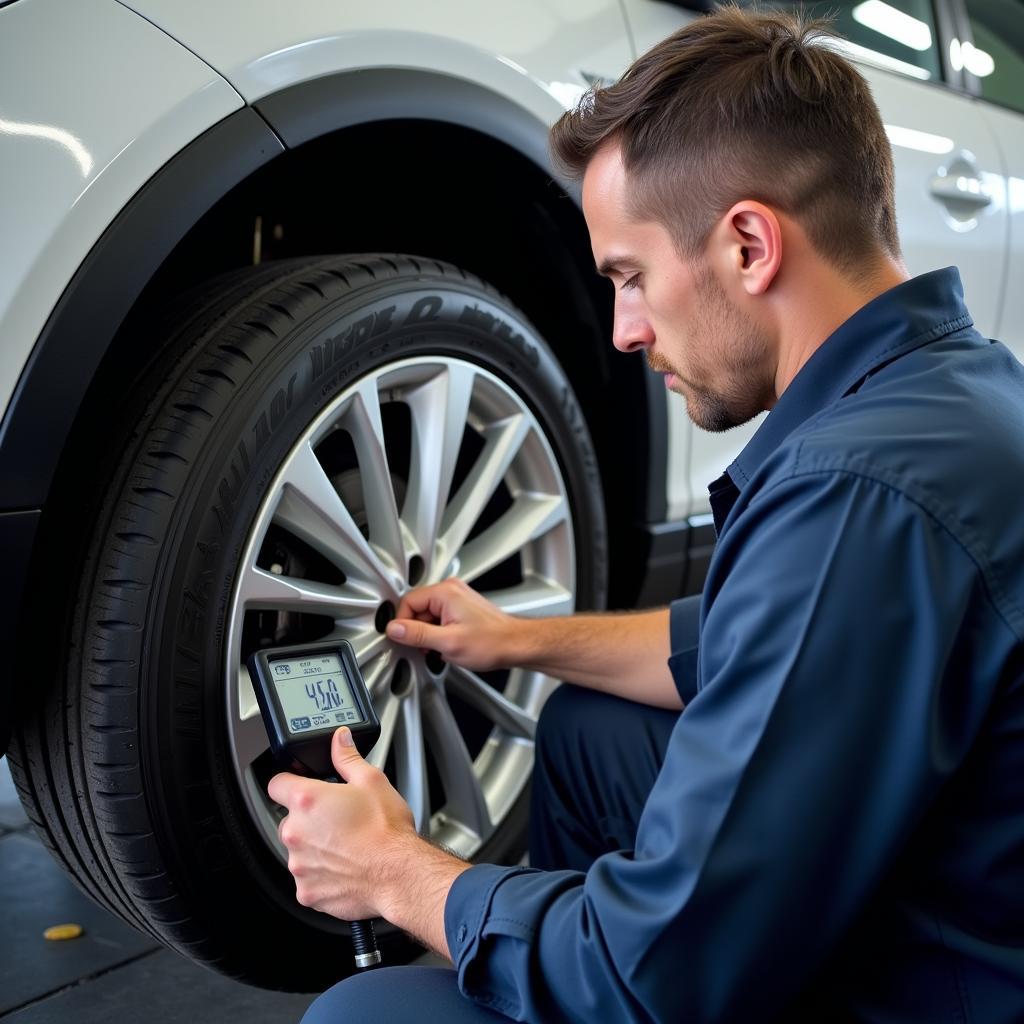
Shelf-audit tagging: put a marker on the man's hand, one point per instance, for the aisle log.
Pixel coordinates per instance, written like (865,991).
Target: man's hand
(457,622)
(343,841)
(354,850)
(625,654)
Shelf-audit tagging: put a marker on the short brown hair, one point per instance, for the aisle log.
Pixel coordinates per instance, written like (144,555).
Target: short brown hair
(746,105)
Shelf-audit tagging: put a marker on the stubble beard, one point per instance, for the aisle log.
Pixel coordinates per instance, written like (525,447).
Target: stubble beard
(745,393)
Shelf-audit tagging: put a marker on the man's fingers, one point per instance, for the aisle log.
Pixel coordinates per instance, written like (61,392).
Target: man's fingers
(413,633)
(430,602)
(281,788)
(424,601)
(348,762)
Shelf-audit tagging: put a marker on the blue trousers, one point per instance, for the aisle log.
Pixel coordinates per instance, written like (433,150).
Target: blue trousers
(596,760)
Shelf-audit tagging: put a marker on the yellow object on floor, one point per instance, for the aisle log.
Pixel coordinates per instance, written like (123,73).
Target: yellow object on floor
(63,931)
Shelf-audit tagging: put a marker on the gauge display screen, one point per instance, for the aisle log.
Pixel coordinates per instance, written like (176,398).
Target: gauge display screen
(314,693)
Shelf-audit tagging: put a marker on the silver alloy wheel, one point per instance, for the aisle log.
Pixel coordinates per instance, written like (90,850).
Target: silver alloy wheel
(381,539)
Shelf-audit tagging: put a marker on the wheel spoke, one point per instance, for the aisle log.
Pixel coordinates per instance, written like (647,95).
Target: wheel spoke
(311,509)
(464,799)
(386,705)
(493,705)
(535,597)
(531,516)
(260,589)
(367,432)
(246,693)
(377,670)
(368,645)
(411,760)
(503,439)
(439,409)
(251,739)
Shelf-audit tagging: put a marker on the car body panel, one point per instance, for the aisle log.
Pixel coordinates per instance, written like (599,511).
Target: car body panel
(538,53)
(76,143)
(103,290)
(1007,127)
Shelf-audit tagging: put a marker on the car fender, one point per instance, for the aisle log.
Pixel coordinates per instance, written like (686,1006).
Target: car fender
(77,139)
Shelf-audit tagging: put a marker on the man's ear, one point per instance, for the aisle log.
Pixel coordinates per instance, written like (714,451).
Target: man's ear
(748,240)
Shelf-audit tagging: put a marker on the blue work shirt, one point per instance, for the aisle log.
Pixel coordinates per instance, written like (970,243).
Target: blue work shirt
(837,832)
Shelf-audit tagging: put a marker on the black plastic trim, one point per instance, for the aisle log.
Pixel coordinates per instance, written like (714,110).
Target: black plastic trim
(698,556)
(103,290)
(676,560)
(965,33)
(310,109)
(698,6)
(949,27)
(665,568)
(17,536)
(656,502)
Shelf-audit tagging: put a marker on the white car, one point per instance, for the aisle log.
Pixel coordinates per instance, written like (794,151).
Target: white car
(293,318)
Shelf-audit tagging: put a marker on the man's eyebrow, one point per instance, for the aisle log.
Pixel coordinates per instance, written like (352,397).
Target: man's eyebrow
(614,264)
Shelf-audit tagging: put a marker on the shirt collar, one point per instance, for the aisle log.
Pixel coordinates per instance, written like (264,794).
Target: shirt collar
(892,324)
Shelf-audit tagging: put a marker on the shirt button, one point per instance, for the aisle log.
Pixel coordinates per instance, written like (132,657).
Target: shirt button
(462,933)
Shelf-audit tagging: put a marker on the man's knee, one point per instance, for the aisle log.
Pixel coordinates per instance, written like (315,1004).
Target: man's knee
(576,719)
(580,727)
(398,995)
(558,714)
(348,1000)
(566,727)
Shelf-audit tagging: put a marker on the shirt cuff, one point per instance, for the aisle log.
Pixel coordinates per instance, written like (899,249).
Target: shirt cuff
(684,638)
(492,918)
(466,913)
(467,906)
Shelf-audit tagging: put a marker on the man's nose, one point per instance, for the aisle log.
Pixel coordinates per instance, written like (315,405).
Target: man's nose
(630,332)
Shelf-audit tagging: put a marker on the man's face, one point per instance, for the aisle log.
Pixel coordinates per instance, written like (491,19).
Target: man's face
(675,310)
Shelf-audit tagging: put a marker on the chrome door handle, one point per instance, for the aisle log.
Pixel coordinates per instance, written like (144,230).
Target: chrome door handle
(966,189)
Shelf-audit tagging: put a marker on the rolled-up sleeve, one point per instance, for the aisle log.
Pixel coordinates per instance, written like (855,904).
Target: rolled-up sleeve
(832,706)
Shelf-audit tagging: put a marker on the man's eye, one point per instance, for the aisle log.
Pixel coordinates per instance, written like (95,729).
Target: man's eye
(631,283)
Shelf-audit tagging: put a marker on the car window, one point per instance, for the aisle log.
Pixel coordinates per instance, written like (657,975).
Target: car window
(895,34)
(997,55)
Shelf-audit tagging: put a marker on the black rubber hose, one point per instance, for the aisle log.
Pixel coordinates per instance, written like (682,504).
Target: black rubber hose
(364,942)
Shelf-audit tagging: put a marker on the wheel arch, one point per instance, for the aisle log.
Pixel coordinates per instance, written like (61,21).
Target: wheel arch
(216,185)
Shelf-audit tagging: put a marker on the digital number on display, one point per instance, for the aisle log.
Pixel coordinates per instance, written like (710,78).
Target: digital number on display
(315,693)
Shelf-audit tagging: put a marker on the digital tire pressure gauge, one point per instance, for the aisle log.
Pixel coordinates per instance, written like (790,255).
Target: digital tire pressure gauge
(305,694)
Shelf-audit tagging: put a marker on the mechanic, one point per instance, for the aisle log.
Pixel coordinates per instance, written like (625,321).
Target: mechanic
(833,828)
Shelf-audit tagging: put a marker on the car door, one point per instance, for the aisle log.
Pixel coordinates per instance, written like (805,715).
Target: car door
(993,56)
(950,184)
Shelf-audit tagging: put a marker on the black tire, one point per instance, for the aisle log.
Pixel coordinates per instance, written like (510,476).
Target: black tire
(122,762)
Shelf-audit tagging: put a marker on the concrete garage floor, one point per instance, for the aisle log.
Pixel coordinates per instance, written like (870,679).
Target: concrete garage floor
(111,973)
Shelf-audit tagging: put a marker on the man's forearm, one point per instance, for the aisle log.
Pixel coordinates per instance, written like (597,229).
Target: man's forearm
(420,876)
(623,653)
